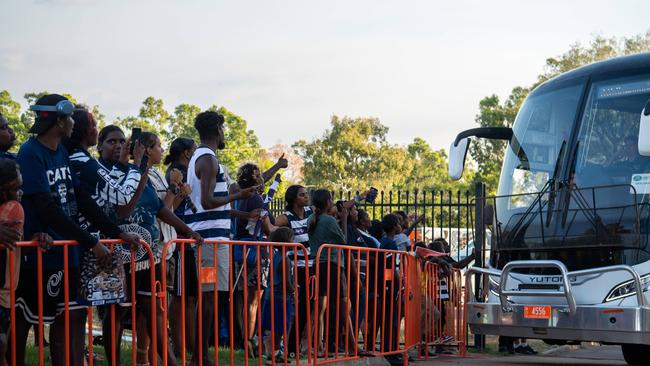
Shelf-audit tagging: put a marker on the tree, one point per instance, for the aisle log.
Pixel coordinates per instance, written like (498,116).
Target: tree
(354,154)
(11,110)
(347,156)
(488,154)
(430,169)
(182,122)
(241,143)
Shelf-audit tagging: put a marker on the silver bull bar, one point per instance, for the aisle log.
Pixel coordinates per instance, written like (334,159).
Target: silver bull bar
(570,322)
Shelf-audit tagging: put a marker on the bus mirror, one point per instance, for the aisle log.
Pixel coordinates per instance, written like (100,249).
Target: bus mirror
(457,154)
(644,131)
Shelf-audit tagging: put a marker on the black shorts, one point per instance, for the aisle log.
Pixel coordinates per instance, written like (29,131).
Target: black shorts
(191,280)
(335,279)
(53,293)
(5,320)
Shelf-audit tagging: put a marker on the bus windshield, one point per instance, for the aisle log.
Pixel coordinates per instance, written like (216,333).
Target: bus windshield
(605,193)
(543,125)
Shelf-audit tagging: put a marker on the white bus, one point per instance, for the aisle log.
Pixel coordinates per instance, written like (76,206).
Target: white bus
(571,219)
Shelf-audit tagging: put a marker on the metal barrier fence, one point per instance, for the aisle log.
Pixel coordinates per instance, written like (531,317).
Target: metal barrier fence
(365,292)
(349,302)
(65,245)
(447,214)
(443,310)
(256,272)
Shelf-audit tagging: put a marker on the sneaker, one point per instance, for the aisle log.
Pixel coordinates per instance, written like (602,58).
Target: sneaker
(525,350)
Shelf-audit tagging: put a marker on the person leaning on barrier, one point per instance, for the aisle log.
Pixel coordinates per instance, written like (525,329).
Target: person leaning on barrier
(296,215)
(12,215)
(250,176)
(180,153)
(143,220)
(8,233)
(387,296)
(53,201)
(283,297)
(442,246)
(323,228)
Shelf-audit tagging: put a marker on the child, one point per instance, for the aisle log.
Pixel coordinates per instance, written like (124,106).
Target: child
(281,324)
(12,215)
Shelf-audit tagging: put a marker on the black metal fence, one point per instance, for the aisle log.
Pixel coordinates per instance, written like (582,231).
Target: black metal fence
(446,214)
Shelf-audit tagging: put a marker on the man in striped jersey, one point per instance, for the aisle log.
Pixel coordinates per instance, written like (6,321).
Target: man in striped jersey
(205,175)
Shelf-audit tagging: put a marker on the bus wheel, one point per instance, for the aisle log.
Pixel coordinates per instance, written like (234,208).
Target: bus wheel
(636,354)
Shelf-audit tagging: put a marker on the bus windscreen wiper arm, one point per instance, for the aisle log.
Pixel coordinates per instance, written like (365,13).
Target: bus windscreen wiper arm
(554,185)
(548,186)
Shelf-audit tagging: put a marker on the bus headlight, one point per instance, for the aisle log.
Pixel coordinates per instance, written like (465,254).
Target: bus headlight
(627,289)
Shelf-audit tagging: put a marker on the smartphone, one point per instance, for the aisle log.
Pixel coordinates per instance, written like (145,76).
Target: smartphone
(372,195)
(135,137)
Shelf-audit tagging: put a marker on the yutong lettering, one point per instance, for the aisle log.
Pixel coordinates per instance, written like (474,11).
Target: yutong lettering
(550,279)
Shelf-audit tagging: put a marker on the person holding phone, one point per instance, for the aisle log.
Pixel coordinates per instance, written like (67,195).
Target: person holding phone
(144,221)
(250,176)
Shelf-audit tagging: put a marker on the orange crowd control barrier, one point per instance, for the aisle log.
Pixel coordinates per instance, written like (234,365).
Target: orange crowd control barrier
(65,245)
(347,303)
(261,273)
(443,320)
(365,293)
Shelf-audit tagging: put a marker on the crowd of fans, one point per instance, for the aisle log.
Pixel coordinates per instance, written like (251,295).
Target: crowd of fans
(56,189)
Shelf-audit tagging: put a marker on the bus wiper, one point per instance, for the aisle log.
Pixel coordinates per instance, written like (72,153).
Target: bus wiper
(549,186)
(591,214)
(555,185)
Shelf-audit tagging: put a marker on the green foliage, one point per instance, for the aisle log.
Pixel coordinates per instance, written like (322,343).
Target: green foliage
(11,110)
(182,122)
(354,155)
(488,154)
(242,144)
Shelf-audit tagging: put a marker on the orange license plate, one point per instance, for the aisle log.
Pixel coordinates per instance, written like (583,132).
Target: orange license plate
(537,312)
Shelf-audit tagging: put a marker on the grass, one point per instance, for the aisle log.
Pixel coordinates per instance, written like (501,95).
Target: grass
(31,357)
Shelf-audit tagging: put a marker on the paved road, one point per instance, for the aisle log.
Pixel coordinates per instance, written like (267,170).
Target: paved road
(602,355)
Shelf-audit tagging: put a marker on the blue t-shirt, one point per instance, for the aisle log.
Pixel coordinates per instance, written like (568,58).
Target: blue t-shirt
(142,222)
(7,155)
(48,171)
(355,238)
(387,243)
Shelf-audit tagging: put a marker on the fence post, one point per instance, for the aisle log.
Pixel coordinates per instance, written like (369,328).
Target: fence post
(479,244)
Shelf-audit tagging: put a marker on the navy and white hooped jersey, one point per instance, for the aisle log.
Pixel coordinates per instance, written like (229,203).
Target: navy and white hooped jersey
(299,226)
(209,223)
(108,186)
(300,234)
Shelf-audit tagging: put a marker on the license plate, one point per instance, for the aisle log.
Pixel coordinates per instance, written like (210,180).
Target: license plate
(537,312)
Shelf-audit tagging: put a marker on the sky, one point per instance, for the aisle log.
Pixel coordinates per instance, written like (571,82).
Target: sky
(421,67)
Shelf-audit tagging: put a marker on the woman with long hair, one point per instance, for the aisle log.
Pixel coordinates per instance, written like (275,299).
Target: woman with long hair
(323,228)
(154,220)
(249,175)
(296,216)
(177,160)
